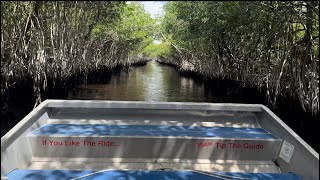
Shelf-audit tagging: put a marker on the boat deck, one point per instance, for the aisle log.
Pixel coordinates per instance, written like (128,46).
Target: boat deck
(159,134)
(140,140)
(142,175)
(151,130)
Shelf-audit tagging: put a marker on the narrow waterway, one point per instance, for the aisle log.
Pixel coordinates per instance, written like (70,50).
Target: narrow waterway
(152,82)
(157,82)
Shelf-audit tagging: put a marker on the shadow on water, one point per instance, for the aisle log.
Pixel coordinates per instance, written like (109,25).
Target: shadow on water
(157,82)
(153,82)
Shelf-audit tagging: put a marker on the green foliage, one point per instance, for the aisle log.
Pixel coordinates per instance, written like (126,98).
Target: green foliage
(265,43)
(136,27)
(157,50)
(271,44)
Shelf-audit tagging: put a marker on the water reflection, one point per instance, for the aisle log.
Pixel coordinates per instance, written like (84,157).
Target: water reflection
(152,82)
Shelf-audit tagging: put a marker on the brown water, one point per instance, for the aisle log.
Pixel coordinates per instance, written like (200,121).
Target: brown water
(152,82)
(156,82)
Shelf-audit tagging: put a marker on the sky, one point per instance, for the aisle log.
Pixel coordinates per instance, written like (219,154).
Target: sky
(154,8)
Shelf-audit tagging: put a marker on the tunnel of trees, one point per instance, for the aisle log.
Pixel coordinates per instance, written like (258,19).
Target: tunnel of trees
(46,43)
(47,46)
(271,45)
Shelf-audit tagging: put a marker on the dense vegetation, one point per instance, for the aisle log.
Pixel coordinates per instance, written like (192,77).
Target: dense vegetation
(48,47)
(46,43)
(269,44)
